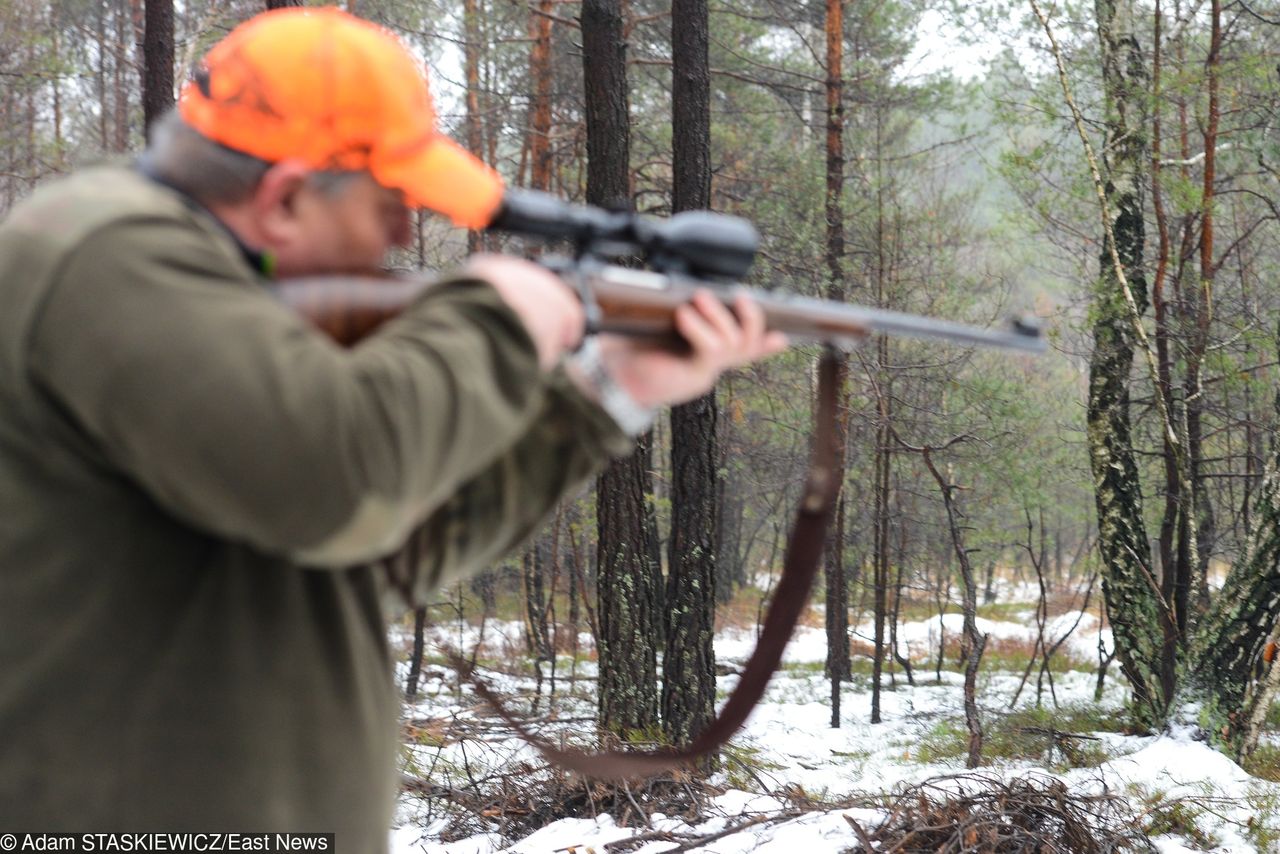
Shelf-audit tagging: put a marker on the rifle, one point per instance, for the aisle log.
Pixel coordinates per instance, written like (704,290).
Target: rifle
(696,249)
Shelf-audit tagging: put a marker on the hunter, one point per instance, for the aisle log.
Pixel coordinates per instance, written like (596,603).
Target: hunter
(208,510)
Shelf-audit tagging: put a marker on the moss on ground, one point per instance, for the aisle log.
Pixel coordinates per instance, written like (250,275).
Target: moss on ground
(1031,735)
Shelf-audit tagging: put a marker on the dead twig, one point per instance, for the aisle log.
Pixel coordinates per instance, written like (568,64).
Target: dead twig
(973,812)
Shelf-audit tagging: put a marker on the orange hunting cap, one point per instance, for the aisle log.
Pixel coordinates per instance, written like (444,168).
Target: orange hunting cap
(338,93)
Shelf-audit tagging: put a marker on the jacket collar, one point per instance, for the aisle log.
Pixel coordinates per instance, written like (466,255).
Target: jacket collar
(262,263)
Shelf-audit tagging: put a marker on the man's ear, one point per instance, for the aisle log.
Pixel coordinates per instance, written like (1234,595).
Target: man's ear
(275,202)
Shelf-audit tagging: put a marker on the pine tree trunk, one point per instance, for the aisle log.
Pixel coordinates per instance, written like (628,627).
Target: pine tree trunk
(534,572)
(837,613)
(31,166)
(157,61)
(471,70)
(880,546)
(883,453)
(100,79)
(540,107)
(604,64)
(55,82)
(628,577)
(419,648)
(628,568)
(689,678)
(688,664)
(120,77)
(1197,594)
(8,151)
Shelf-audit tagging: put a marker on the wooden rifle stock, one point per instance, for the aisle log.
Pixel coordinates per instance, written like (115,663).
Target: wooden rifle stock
(643,304)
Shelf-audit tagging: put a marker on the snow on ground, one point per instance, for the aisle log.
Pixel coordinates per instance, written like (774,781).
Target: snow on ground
(790,741)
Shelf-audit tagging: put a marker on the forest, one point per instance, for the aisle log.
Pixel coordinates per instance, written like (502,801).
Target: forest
(1110,168)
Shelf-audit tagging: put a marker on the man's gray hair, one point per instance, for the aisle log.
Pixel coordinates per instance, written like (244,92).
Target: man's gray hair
(211,173)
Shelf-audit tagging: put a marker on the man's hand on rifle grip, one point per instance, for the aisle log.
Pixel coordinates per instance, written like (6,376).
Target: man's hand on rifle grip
(719,339)
(551,312)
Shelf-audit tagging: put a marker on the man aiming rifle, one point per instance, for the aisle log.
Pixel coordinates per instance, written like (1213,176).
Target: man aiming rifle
(207,503)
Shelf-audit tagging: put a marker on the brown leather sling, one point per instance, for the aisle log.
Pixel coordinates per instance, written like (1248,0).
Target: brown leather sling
(800,567)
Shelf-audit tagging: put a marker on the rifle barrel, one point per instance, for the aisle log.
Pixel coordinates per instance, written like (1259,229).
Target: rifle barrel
(635,302)
(640,303)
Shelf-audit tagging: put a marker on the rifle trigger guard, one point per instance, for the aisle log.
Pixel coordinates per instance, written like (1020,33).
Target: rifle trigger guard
(571,271)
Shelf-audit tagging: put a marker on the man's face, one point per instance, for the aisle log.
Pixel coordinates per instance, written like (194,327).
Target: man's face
(342,226)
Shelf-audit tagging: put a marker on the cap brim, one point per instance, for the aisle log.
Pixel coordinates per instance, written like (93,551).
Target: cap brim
(446,178)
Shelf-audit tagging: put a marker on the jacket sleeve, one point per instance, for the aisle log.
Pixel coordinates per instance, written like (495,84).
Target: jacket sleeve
(187,377)
(490,515)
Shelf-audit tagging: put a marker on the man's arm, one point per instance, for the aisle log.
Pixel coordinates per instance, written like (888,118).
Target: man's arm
(507,503)
(571,439)
(242,421)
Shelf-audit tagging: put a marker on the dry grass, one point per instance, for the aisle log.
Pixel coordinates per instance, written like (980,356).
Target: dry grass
(743,611)
(1014,653)
(746,610)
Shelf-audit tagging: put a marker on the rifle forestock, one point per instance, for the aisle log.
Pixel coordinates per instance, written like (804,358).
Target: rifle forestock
(643,304)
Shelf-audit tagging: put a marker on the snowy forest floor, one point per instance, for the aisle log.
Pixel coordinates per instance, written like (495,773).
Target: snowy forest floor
(790,782)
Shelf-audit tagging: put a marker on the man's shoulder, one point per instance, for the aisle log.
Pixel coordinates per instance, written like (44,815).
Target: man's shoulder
(102,231)
(69,209)
(116,209)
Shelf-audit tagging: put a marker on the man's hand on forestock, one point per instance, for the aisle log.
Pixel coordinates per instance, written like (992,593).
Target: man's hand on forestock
(719,340)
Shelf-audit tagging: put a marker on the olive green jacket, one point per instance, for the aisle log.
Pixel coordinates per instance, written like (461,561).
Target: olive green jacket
(197,494)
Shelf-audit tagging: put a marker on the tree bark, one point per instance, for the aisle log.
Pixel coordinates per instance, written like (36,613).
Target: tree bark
(100,79)
(837,613)
(628,566)
(534,574)
(1234,680)
(419,648)
(1133,603)
(1173,528)
(157,61)
(540,107)
(628,578)
(884,431)
(689,678)
(120,78)
(838,667)
(1196,591)
(880,547)
(55,83)
(471,70)
(688,696)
